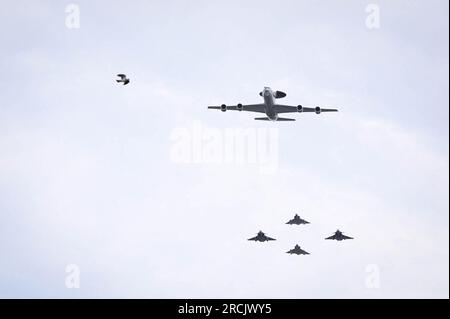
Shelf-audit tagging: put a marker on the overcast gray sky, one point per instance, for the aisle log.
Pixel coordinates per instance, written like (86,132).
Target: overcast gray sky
(88,176)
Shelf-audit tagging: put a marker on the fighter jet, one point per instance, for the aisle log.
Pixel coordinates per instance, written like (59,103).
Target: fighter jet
(123,79)
(338,235)
(261,237)
(297,250)
(297,221)
(270,107)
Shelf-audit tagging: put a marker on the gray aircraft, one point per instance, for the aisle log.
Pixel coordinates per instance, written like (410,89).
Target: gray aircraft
(270,107)
(261,237)
(338,235)
(297,250)
(123,79)
(297,221)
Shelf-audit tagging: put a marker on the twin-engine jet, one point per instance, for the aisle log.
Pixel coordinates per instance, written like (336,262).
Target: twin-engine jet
(338,235)
(297,221)
(297,250)
(261,237)
(270,107)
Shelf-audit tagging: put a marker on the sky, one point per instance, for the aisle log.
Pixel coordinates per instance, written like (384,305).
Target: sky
(139,191)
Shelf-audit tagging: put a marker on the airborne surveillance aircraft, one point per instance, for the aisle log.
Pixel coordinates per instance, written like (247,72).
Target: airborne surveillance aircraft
(261,237)
(338,235)
(270,107)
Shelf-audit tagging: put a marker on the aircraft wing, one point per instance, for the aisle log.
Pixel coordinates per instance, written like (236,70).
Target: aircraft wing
(253,238)
(331,237)
(268,238)
(293,109)
(259,108)
(346,237)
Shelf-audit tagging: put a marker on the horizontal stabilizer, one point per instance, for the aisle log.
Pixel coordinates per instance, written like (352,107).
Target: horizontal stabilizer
(278,119)
(284,119)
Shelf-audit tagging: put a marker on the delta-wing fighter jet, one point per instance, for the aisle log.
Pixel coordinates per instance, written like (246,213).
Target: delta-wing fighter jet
(338,235)
(271,108)
(297,250)
(261,237)
(297,221)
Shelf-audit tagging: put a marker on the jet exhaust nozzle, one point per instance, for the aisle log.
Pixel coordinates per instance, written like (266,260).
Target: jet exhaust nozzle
(223,107)
(318,110)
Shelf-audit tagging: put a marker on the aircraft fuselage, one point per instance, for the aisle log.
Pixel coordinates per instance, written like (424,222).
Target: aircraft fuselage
(269,103)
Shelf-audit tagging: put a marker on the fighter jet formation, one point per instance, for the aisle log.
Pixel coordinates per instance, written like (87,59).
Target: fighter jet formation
(271,108)
(297,250)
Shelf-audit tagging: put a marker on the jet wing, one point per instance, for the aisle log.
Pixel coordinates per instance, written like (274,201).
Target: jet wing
(293,109)
(253,238)
(303,252)
(259,108)
(331,237)
(268,238)
(346,237)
